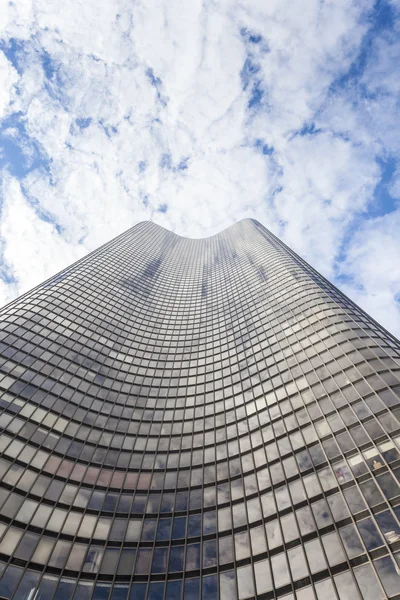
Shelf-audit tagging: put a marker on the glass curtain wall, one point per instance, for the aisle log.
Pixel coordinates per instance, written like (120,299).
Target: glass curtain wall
(200,420)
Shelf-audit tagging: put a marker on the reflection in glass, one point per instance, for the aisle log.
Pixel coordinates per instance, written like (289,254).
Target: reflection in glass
(389,574)
(227,583)
(245,582)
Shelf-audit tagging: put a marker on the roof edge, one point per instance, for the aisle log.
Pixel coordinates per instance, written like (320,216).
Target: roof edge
(153,224)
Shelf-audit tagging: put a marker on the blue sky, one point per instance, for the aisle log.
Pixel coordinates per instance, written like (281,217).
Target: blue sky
(195,115)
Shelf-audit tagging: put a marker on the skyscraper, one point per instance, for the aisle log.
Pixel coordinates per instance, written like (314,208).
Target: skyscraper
(199,420)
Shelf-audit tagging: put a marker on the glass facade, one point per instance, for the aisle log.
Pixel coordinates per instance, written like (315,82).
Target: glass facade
(199,420)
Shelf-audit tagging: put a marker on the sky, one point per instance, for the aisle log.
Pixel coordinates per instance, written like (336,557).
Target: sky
(196,114)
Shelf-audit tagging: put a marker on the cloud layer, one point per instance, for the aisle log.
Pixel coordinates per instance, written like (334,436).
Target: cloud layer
(195,115)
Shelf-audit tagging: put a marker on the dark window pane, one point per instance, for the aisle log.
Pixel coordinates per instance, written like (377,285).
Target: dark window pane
(176,558)
(192,589)
(159,560)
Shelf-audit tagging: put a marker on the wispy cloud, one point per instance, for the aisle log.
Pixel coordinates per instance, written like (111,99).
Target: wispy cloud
(196,114)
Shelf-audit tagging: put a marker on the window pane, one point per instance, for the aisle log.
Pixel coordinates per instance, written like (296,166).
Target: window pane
(263,576)
(227,585)
(245,582)
(368,584)
(388,574)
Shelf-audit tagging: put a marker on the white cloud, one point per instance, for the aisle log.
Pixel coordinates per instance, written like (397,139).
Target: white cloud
(375,248)
(18,227)
(8,77)
(119,97)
